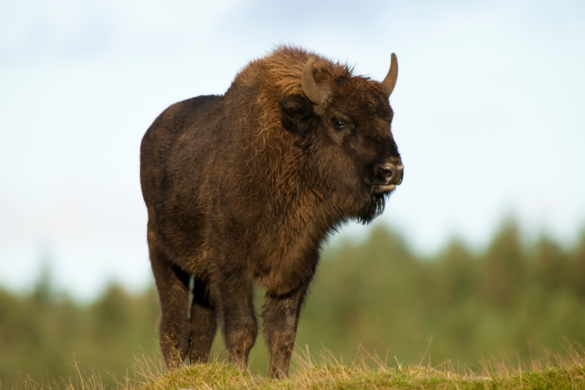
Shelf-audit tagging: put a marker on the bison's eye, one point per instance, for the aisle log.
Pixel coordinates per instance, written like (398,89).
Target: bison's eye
(339,124)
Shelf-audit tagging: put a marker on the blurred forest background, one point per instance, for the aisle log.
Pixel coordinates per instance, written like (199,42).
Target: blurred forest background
(513,297)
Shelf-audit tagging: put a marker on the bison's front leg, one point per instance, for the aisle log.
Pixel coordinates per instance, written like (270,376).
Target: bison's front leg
(233,295)
(281,315)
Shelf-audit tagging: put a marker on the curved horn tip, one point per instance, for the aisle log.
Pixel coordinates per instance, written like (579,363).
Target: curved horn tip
(390,80)
(313,92)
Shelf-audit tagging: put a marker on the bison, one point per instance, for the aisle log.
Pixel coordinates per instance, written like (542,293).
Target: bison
(245,187)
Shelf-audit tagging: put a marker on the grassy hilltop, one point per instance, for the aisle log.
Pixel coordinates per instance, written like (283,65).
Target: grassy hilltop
(370,372)
(567,374)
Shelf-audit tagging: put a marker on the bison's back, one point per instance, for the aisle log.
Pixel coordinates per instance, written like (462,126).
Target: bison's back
(175,157)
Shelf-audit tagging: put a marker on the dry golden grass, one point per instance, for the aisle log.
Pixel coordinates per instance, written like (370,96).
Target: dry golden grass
(556,371)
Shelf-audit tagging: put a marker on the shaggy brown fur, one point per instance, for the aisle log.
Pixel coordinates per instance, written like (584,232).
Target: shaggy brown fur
(243,188)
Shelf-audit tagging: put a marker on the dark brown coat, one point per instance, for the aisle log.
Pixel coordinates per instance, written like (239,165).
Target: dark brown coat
(245,187)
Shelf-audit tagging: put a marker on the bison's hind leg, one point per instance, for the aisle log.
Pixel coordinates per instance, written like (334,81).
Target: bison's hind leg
(172,284)
(203,322)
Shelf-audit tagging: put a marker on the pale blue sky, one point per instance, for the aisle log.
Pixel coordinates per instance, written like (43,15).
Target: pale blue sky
(489,115)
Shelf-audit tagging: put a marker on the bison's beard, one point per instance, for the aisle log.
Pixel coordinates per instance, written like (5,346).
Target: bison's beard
(372,207)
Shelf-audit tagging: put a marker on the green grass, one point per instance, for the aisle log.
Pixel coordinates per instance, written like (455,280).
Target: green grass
(556,371)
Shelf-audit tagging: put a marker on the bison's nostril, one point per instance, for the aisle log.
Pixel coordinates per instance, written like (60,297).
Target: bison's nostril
(386,174)
(390,174)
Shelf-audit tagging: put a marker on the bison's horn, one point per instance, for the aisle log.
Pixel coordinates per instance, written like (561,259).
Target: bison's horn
(313,92)
(390,81)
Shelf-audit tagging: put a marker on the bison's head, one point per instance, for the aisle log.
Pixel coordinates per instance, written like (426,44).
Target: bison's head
(345,124)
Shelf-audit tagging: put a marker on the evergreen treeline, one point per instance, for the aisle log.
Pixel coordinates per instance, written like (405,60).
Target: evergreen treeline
(510,298)
(43,335)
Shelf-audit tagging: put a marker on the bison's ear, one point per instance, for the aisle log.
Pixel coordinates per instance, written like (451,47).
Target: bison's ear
(297,113)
